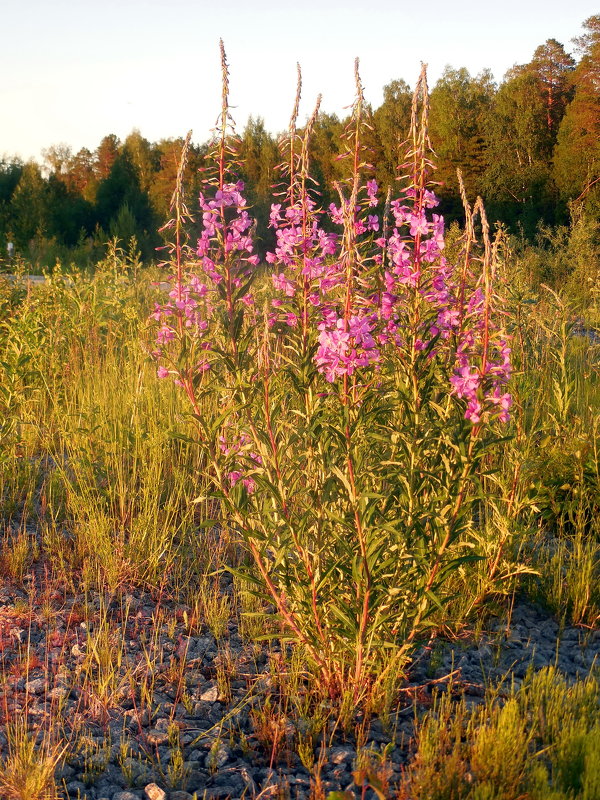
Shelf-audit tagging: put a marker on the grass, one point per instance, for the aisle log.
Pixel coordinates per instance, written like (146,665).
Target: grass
(97,477)
(540,741)
(28,768)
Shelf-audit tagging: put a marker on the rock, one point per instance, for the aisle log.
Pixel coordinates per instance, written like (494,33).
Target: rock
(157,737)
(154,792)
(64,772)
(35,686)
(196,780)
(146,775)
(337,755)
(107,789)
(377,733)
(217,757)
(77,789)
(210,695)
(126,796)
(231,781)
(220,793)
(59,693)
(180,796)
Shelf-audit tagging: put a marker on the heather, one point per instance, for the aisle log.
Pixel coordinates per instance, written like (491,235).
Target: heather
(265,513)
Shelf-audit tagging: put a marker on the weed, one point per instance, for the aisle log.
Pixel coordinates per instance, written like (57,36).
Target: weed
(27,770)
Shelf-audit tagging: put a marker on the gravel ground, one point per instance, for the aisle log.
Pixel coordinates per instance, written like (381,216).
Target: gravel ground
(202,735)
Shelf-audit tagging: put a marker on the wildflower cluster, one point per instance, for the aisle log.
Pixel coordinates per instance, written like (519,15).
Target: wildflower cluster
(303,251)
(218,271)
(223,233)
(329,419)
(455,314)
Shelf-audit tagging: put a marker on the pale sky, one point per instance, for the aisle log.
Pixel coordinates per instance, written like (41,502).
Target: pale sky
(72,71)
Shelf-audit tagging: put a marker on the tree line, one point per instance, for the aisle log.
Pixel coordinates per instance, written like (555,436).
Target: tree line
(529,146)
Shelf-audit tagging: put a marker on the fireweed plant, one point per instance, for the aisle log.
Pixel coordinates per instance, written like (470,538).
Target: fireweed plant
(360,382)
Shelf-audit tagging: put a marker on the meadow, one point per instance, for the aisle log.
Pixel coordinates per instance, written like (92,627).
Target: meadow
(321,525)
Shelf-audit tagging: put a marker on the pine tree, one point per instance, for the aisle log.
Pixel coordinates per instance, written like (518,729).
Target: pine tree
(577,151)
(553,67)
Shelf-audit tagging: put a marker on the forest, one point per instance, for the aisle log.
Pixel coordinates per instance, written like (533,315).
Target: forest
(530,147)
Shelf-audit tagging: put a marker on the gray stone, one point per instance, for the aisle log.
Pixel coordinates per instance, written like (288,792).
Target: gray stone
(231,781)
(76,788)
(196,780)
(64,773)
(217,757)
(157,737)
(337,755)
(210,695)
(35,686)
(59,692)
(220,793)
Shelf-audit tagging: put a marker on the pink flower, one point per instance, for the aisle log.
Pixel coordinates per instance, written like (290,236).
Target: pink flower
(503,402)
(372,189)
(418,224)
(465,382)
(165,334)
(274,216)
(429,199)
(234,477)
(283,284)
(249,484)
(401,212)
(473,412)
(360,328)
(336,214)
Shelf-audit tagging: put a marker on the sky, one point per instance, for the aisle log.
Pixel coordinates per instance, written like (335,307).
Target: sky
(73,71)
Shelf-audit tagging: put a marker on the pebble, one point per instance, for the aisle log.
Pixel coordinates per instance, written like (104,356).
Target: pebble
(210,695)
(36,686)
(222,757)
(217,757)
(337,755)
(75,787)
(157,736)
(154,792)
